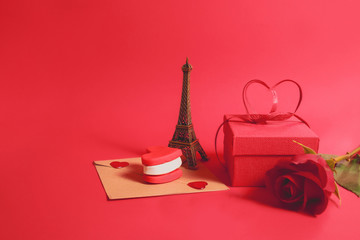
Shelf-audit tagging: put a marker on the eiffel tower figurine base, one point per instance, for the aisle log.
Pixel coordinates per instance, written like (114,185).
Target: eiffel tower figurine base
(189,151)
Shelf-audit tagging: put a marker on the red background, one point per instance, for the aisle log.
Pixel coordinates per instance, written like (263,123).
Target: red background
(91,80)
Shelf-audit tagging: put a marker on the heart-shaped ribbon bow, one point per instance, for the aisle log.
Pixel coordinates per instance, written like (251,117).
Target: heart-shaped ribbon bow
(253,117)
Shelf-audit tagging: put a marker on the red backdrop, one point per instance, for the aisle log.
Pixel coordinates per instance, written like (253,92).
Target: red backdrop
(91,80)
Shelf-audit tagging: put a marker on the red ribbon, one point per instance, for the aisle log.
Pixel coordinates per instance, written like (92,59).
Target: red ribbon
(252,117)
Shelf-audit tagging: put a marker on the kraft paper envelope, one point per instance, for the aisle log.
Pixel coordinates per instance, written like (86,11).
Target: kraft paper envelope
(127,182)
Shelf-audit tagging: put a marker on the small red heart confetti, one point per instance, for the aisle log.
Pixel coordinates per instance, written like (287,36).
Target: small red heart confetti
(198,185)
(117,164)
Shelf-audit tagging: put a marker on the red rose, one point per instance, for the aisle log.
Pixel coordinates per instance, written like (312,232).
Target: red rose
(305,183)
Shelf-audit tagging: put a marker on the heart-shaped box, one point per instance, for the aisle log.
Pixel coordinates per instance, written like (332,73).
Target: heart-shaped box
(161,164)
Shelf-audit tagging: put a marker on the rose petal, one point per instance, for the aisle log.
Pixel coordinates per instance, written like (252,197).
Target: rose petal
(272,175)
(309,176)
(314,164)
(318,166)
(330,185)
(289,189)
(324,173)
(309,169)
(302,158)
(315,198)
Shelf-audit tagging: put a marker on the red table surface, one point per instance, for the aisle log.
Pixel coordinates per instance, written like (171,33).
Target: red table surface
(94,80)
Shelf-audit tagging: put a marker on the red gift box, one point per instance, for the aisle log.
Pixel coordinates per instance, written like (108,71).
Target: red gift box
(250,150)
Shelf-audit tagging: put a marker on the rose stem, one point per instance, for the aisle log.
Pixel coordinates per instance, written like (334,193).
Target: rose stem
(347,156)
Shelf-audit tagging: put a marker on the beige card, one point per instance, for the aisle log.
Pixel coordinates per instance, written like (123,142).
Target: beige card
(128,182)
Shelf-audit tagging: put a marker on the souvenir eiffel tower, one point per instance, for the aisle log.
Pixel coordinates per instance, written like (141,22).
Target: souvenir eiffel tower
(184,136)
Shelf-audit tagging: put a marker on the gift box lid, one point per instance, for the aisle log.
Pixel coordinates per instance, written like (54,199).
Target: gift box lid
(272,138)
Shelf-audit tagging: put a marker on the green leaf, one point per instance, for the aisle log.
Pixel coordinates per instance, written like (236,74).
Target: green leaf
(307,150)
(348,175)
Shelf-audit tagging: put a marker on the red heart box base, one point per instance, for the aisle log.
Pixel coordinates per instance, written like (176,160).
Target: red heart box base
(164,178)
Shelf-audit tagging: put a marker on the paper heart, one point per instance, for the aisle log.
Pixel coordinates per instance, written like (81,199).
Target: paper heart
(158,154)
(117,164)
(198,185)
(273,115)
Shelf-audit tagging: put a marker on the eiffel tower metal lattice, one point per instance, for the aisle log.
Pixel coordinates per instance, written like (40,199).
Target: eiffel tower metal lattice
(184,136)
